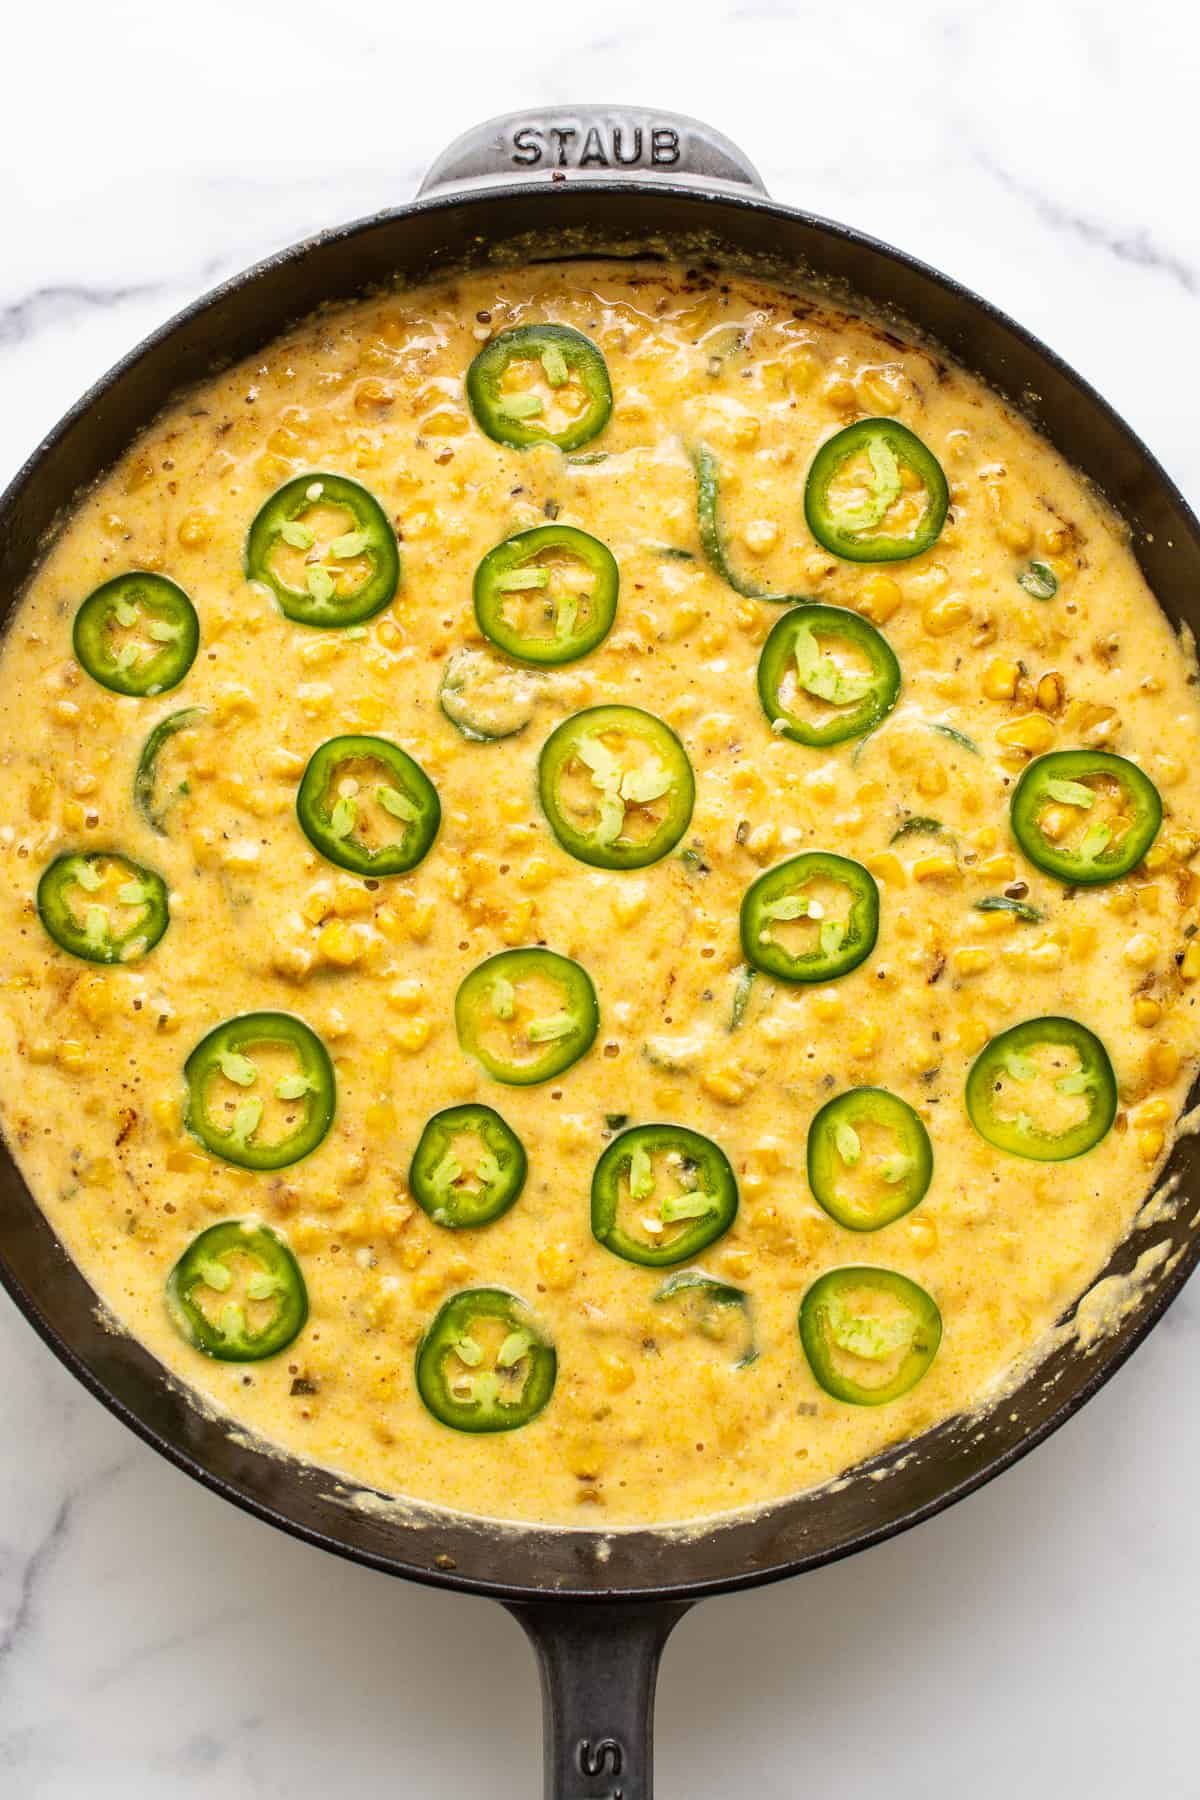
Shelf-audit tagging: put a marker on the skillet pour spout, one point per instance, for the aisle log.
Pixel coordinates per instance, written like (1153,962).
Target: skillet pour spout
(586,181)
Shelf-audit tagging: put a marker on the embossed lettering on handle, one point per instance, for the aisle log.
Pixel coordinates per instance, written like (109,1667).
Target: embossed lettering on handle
(598,1662)
(597,142)
(603,1758)
(602,146)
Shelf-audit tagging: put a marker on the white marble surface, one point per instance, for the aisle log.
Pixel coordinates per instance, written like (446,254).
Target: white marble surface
(1042,1639)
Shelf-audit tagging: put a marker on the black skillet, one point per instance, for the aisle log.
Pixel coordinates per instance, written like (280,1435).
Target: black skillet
(597,1609)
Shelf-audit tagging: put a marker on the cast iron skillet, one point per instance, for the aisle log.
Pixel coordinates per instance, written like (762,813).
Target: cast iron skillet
(597,1609)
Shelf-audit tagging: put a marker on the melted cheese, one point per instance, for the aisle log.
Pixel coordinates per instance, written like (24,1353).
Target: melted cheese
(649,1421)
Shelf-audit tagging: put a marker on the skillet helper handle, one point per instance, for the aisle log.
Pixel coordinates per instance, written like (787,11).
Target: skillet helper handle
(557,144)
(599,1667)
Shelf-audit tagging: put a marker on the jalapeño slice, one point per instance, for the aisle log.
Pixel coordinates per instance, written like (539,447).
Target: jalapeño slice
(526,1015)
(812,918)
(547,596)
(326,549)
(540,384)
(661,1194)
(714,1310)
(869,1334)
(616,786)
(484,1364)
(100,906)
(468,1167)
(484,697)
(145,778)
(1085,816)
(1043,1089)
(366,805)
(875,493)
(825,674)
(137,634)
(869,1158)
(260,1090)
(237,1293)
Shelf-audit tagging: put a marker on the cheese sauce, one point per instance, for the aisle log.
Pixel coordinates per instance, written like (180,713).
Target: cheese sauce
(651,1419)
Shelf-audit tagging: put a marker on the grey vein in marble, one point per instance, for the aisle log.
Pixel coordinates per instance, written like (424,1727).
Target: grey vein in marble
(36,1565)
(22,319)
(1137,248)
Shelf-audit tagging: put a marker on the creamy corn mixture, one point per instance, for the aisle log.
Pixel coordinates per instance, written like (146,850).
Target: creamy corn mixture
(649,1420)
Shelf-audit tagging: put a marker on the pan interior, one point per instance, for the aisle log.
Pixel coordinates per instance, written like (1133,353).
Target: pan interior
(921,1477)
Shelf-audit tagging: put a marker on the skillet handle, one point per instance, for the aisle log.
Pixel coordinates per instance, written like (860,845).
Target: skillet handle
(599,1667)
(605,142)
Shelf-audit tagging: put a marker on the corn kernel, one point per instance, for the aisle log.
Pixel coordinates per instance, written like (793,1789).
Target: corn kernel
(932,780)
(341,945)
(412,1036)
(368,712)
(630,903)
(685,618)
(380,1118)
(973,1034)
(556,1265)
(1034,733)
(615,1372)
(1082,940)
(320,651)
(94,997)
(234,699)
(1049,692)
(1189,968)
(1146,1011)
(167,1114)
(1000,679)
(517,924)
(352,901)
(1150,1145)
(1162,1064)
(1044,956)
(182,1161)
(879,597)
(372,395)
(972,961)
(1155,1112)
(939,867)
(761,842)
(759,536)
(72,1055)
(941,617)
(923,1236)
(888,867)
(1015,535)
(1054,823)
(536,874)
(865,1041)
(827,1004)
(997,868)
(405,996)
(1141,950)
(729,1083)
(307,1234)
